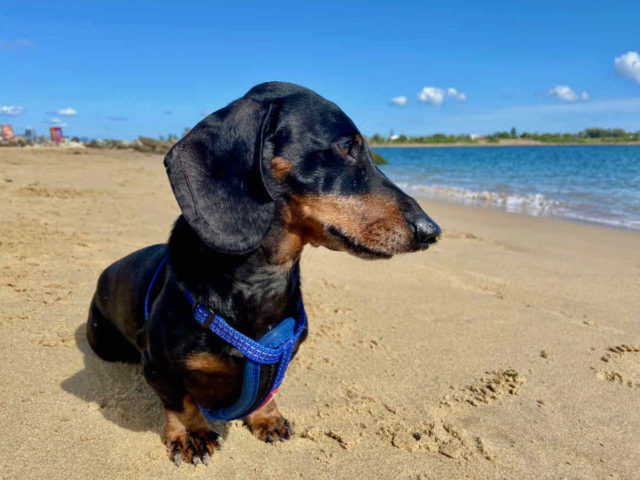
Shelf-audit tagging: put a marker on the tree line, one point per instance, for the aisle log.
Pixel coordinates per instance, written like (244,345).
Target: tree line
(589,135)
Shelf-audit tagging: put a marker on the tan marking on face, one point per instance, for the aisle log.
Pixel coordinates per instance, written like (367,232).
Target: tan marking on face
(372,221)
(289,249)
(283,246)
(208,363)
(358,139)
(280,167)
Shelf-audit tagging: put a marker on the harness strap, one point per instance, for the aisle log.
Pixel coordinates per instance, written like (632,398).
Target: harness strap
(249,347)
(260,355)
(274,347)
(153,280)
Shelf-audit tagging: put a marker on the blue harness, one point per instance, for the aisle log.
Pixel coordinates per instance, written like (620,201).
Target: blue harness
(273,348)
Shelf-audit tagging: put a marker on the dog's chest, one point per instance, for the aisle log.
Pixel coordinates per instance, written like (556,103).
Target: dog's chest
(214,381)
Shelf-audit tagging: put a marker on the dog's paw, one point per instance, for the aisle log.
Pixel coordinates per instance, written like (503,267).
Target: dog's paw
(193,447)
(269,426)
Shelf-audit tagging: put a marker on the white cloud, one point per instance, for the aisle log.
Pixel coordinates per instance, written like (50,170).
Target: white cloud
(400,101)
(436,96)
(564,93)
(11,111)
(541,117)
(56,122)
(628,65)
(68,112)
(432,95)
(460,96)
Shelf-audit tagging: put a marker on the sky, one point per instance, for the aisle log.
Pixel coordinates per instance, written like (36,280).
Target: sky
(122,69)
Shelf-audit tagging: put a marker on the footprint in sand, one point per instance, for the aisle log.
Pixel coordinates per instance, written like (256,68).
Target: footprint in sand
(436,436)
(444,438)
(624,363)
(432,435)
(489,388)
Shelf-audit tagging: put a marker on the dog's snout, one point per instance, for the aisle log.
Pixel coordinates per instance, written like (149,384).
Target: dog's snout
(425,231)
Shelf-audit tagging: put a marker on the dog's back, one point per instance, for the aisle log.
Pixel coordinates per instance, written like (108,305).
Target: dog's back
(117,309)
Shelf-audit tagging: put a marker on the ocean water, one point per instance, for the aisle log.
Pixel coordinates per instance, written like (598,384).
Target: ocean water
(593,184)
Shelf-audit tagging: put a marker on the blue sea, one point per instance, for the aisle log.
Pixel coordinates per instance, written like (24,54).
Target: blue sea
(593,184)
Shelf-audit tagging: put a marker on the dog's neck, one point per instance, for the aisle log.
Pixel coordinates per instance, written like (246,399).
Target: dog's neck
(253,292)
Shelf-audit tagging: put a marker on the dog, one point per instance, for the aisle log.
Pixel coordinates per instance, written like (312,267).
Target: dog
(256,181)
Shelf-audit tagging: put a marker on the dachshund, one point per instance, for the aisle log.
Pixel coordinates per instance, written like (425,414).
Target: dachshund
(256,181)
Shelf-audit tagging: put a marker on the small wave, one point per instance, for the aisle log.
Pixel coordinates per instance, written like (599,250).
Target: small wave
(623,223)
(532,204)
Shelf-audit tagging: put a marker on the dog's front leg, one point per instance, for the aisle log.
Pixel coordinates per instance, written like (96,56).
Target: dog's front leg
(268,424)
(188,436)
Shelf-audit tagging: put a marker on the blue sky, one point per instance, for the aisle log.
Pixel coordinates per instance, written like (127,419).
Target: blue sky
(153,68)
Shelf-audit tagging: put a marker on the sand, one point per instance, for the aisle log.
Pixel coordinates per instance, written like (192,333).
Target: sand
(509,350)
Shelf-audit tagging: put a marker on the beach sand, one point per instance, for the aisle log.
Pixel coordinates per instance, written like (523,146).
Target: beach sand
(508,350)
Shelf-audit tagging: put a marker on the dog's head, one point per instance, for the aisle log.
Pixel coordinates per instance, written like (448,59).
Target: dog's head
(283,154)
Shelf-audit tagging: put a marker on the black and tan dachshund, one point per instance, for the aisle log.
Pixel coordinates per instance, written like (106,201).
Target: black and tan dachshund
(256,181)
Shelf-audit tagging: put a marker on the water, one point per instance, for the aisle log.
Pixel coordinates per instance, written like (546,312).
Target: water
(594,184)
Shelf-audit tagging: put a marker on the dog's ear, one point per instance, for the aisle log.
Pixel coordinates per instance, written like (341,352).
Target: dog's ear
(216,173)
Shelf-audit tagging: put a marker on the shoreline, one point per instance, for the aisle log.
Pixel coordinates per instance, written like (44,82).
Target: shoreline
(523,143)
(556,218)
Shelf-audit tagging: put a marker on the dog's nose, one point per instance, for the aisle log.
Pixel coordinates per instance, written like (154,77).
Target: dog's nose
(426,231)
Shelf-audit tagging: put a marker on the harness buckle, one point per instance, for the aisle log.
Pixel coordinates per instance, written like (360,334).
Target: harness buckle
(210,315)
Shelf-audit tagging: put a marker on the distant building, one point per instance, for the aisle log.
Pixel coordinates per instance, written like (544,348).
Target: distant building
(56,134)
(7,132)
(30,133)
(394,137)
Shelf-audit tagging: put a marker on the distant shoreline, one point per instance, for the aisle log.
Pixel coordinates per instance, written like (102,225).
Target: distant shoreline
(503,143)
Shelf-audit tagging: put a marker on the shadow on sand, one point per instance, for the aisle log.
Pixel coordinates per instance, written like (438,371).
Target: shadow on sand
(120,392)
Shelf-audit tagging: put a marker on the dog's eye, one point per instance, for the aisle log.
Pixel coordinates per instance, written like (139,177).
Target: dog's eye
(345,146)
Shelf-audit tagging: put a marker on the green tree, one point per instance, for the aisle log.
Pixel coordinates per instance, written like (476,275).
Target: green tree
(377,138)
(502,135)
